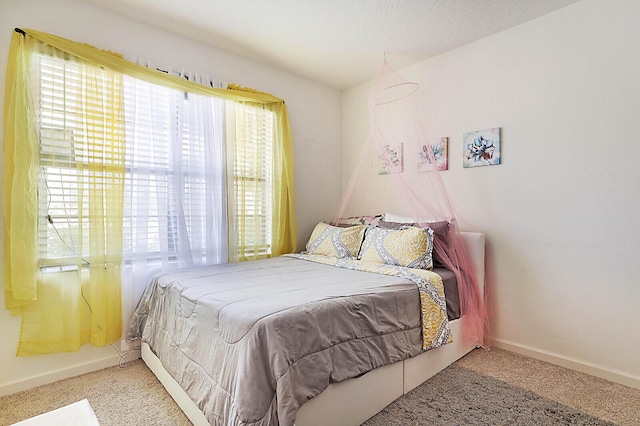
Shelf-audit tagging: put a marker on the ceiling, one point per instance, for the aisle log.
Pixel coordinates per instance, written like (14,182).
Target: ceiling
(339,43)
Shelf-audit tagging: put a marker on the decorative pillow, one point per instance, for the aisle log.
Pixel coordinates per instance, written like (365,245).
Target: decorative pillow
(344,222)
(337,242)
(410,246)
(440,229)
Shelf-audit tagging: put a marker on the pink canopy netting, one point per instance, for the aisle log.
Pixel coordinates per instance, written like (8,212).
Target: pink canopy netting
(395,118)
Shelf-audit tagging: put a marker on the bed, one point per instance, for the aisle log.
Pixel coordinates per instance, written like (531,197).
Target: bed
(335,345)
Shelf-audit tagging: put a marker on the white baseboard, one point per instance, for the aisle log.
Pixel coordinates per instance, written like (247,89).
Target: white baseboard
(612,375)
(62,373)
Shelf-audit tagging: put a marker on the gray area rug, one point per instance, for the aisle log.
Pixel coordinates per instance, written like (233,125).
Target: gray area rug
(459,396)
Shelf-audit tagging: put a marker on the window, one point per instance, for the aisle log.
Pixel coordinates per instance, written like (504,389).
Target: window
(78,133)
(176,187)
(253,179)
(176,172)
(73,120)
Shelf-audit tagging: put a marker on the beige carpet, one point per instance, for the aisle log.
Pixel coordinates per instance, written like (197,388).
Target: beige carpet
(119,396)
(133,396)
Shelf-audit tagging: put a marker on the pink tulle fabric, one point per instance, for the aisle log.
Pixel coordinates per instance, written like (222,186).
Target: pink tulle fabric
(395,117)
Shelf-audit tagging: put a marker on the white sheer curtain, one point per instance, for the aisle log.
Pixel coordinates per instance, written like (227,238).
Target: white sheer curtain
(175,189)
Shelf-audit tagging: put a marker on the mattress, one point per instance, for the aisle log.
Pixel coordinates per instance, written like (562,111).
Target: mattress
(450,292)
(251,342)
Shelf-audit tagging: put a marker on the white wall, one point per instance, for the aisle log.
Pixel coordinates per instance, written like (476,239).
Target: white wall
(314,114)
(561,213)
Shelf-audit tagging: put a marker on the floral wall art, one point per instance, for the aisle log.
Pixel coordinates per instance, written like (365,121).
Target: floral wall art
(481,148)
(439,147)
(391,159)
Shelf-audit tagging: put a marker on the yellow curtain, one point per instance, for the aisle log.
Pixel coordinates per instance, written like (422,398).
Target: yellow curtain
(20,186)
(284,223)
(61,311)
(116,63)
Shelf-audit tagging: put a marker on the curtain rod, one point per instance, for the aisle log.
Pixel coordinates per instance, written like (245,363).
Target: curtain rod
(18,30)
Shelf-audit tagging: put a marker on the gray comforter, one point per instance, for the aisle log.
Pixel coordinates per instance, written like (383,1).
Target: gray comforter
(251,342)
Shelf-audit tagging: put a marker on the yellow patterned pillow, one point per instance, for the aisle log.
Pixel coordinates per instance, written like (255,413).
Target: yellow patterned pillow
(410,246)
(337,242)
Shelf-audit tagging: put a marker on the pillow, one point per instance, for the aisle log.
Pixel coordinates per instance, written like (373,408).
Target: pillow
(344,222)
(343,243)
(440,229)
(410,246)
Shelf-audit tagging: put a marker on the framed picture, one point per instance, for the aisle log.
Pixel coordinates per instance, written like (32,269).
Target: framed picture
(391,160)
(481,148)
(440,148)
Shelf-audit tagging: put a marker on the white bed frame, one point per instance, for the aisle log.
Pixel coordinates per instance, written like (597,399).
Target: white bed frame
(354,401)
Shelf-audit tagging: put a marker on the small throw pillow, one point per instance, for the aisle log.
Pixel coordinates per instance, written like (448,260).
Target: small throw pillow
(343,243)
(410,246)
(358,220)
(440,229)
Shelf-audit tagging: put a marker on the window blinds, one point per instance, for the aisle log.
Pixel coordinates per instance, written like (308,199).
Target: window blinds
(175,180)
(253,179)
(74,118)
(175,199)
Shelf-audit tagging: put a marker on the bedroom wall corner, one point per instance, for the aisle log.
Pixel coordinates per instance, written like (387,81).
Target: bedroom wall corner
(314,112)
